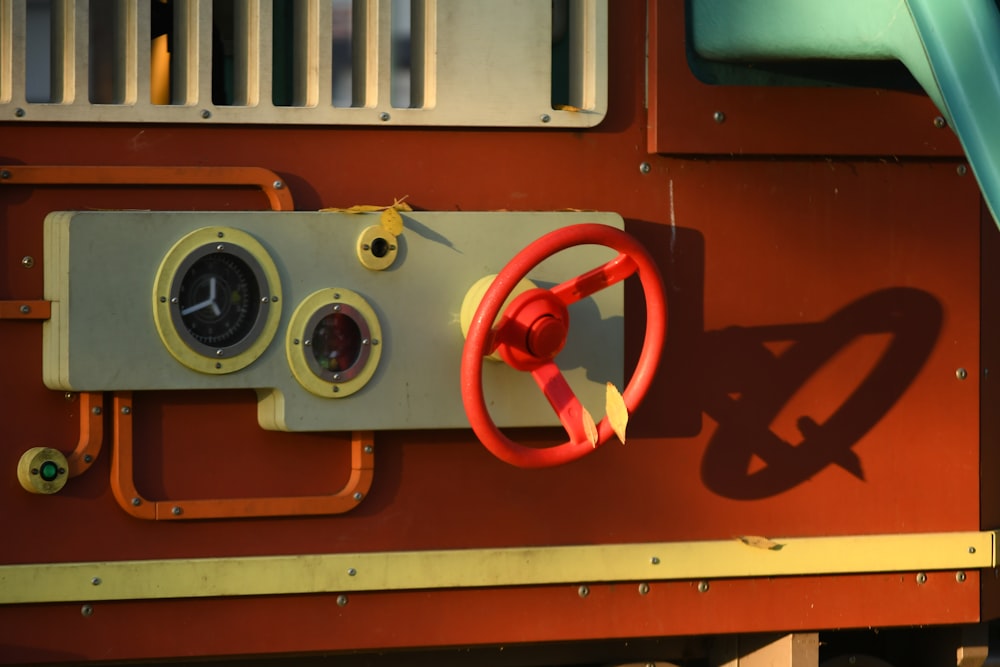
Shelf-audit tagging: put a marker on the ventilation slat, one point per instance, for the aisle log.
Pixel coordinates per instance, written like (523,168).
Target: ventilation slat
(457,62)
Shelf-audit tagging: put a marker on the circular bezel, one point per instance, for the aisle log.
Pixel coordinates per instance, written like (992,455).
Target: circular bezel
(245,254)
(299,343)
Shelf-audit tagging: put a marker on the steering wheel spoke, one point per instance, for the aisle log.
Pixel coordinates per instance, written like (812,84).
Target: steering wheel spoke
(572,415)
(604,276)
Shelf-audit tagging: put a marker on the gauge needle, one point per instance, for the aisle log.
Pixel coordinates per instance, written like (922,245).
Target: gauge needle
(211,297)
(210,301)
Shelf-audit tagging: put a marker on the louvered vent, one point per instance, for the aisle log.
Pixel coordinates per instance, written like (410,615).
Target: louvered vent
(326,62)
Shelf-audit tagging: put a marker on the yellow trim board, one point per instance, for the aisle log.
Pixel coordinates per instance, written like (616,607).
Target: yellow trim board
(464,568)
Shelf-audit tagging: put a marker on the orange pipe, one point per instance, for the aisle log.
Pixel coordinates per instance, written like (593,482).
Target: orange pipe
(125,492)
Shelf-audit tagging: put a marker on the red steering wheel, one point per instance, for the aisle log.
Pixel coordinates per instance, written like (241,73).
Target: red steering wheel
(532,331)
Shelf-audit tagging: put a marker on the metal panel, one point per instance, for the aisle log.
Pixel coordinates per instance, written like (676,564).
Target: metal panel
(466,69)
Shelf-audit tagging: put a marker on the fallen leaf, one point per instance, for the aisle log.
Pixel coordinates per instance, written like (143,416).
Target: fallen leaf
(758,542)
(616,410)
(566,107)
(392,221)
(590,428)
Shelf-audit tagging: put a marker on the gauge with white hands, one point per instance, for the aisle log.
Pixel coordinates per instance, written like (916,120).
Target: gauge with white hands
(219,299)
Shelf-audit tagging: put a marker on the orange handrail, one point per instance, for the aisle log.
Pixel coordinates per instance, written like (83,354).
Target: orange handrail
(124,489)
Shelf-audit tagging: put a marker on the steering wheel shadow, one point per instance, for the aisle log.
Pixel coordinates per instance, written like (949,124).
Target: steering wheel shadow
(735,376)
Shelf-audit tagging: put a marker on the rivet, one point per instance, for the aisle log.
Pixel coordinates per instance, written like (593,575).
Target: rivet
(219,352)
(174,299)
(374,341)
(961,373)
(19,112)
(960,576)
(655,560)
(336,377)
(176,510)
(643,589)
(369,449)
(220,247)
(126,410)
(278,185)
(87,610)
(295,341)
(583,591)
(25,309)
(218,365)
(545,118)
(96,581)
(358,495)
(205,113)
(336,306)
(365,247)
(921,578)
(703,586)
(939,122)
(136,502)
(972,550)
(336,389)
(163,299)
(341,600)
(69,396)
(384,116)
(274,299)
(645,168)
(87,458)
(351,572)
(719,117)
(264,299)
(220,234)
(27,261)
(4,174)
(307,341)
(962,170)
(96,410)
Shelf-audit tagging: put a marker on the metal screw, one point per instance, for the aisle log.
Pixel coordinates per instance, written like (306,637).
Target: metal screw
(962,170)
(358,495)
(295,341)
(87,458)
(972,550)
(69,396)
(307,341)
(163,299)
(25,309)
(374,341)
(96,581)
(87,610)
(4,174)
(545,118)
(126,410)
(27,261)
(655,560)
(961,373)
(351,572)
(645,168)
(643,589)
(205,113)
(96,410)
(583,591)
(218,365)
(336,389)
(274,299)
(939,122)
(336,377)
(220,247)
(176,510)
(174,299)
(921,578)
(19,112)
(219,352)
(719,117)
(384,116)
(341,600)
(336,306)
(960,576)
(369,449)
(278,185)
(136,502)
(702,586)
(264,299)
(220,234)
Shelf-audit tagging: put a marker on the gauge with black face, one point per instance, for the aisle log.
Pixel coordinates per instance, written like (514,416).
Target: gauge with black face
(219,300)
(216,300)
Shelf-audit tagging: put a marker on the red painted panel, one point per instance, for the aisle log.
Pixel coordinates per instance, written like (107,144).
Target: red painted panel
(819,311)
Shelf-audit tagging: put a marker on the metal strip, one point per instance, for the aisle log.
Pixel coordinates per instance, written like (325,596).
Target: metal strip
(466,568)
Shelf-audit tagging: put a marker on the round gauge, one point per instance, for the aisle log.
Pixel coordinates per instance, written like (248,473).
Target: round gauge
(219,300)
(216,300)
(334,343)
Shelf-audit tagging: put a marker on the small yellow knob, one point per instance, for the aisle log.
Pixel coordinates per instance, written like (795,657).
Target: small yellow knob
(42,470)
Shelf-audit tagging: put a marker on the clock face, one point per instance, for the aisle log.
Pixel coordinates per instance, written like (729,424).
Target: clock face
(219,300)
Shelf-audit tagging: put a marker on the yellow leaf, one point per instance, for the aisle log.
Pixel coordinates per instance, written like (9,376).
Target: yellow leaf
(589,427)
(392,221)
(566,107)
(616,410)
(759,542)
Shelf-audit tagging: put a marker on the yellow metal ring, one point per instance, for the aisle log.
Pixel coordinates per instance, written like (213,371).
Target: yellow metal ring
(166,277)
(377,248)
(299,340)
(42,470)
